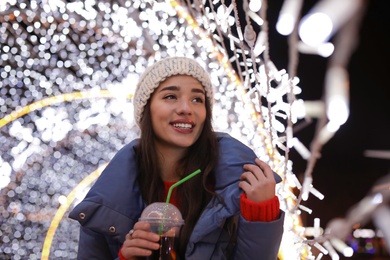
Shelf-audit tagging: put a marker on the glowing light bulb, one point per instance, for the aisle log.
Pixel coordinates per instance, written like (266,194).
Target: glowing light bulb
(315,29)
(324,49)
(288,16)
(342,247)
(337,96)
(255,5)
(338,110)
(285,24)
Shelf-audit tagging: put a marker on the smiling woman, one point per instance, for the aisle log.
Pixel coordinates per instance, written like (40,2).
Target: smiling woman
(178,113)
(233,201)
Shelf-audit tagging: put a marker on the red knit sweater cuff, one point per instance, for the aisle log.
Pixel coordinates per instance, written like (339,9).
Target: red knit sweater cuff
(121,257)
(264,211)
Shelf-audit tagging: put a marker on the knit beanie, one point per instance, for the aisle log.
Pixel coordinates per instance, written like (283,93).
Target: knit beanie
(160,71)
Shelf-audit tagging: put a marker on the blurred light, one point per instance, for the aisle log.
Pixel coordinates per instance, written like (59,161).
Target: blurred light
(255,5)
(62,199)
(337,110)
(288,16)
(377,154)
(315,29)
(67,201)
(324,49)
(377,199)
(5,174)
(300,148)
(285,24)
(326,18)
(337,95)
(341,247)
(363,233)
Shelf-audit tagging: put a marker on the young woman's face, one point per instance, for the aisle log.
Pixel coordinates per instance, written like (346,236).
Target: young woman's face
(178,111)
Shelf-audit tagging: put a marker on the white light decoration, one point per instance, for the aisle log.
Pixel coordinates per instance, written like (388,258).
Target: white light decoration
(288,16)
(337,95)
(325,19)
(324,49)
(68,71)
(255,5)
(316,29)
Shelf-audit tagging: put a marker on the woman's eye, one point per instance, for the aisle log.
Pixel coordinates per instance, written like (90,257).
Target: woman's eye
(198,99)
(169,97)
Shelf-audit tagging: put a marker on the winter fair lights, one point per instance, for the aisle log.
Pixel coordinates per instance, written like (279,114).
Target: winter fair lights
(68,70)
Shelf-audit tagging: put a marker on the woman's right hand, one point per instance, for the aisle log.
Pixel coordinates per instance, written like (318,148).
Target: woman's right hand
(140,242)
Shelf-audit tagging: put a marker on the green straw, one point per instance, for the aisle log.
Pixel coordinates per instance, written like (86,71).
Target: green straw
(180,182)
(170,193)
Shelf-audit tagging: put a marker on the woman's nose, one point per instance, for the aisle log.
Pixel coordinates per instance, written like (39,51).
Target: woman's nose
(184,107)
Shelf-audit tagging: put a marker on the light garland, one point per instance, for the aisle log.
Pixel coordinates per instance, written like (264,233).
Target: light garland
(70,199)
(54,100)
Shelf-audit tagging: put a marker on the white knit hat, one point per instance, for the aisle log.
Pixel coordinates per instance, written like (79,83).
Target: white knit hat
(160,71)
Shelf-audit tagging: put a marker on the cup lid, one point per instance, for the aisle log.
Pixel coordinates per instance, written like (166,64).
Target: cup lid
(158,211)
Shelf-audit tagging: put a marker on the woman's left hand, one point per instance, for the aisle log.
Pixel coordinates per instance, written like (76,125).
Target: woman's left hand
(258,181)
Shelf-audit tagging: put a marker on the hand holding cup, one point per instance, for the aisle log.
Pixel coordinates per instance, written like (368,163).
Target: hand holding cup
(140,242)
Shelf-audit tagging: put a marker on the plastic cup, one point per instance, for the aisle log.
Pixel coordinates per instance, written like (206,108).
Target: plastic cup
(166,220)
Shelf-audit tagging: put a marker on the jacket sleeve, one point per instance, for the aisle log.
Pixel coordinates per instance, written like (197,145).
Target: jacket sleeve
(93,245)
(110,208)
(259,240)
(255,239)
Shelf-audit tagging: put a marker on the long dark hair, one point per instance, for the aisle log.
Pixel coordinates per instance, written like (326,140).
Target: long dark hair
(193,194)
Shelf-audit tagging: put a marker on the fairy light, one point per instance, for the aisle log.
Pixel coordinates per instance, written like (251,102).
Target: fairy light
(324,49)
(55,100)
(332,252)
(316,29)
(321,248)
(230,72)
(341,247)
(86,182)
(255,5)
(182,13)
(317,227)
(325,18)
(337,96)
(316,193)
(288,16)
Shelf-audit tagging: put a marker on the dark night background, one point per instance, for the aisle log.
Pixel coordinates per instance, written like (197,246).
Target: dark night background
(343,174)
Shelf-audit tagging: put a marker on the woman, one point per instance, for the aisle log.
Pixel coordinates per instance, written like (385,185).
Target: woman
(230,209)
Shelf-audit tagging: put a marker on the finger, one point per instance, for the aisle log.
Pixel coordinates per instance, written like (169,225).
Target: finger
(131,251)
(145,235)
(248,177)
(142,225)
(141,243)
(144,244)
(141,231)
(130,234)
(245,186)
(265,168)
(255,170)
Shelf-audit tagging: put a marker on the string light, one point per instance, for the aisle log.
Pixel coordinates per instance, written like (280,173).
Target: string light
(54,100)
(85,183)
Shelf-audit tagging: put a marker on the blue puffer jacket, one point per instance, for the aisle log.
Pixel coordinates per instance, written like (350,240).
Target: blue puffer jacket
(114,204)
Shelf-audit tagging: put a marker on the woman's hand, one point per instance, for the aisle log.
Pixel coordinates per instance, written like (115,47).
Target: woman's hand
(140,242)
(258,181)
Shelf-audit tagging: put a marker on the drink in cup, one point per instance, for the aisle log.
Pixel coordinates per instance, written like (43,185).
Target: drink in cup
(166,220)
